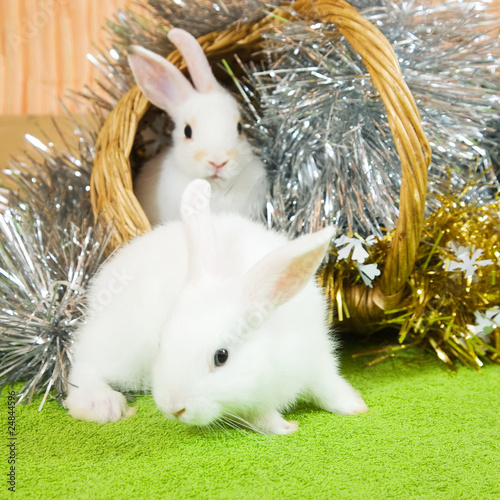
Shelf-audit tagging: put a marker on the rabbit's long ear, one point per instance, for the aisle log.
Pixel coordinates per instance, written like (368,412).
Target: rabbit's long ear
(198,228)
(159,80)
(196,60)
(281,275)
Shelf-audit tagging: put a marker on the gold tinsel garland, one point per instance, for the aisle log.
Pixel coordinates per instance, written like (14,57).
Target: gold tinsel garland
(441,302)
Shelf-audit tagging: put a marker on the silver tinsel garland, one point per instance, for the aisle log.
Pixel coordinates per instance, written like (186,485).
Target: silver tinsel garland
(312,111)
(327,140)
(49,250)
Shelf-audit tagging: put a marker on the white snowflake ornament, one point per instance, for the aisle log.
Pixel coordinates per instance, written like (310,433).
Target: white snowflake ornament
(359,254)
(467,263)
(368,273)
(485,323)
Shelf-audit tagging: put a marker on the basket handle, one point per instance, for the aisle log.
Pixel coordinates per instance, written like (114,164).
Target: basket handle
(380,60)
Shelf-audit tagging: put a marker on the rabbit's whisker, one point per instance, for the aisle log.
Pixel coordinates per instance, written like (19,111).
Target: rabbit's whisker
(240,422)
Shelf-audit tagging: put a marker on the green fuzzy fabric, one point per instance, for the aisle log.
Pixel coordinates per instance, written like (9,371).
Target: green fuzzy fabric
(430,434)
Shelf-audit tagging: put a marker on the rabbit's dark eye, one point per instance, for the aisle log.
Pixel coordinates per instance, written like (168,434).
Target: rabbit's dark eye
(188,131)
(240,128)
(221,357)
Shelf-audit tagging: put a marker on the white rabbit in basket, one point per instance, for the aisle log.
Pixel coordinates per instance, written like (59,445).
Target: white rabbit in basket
(220,316)
(207,142)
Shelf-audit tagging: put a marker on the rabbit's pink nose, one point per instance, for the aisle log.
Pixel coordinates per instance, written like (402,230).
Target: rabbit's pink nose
(177,414)
(217,166)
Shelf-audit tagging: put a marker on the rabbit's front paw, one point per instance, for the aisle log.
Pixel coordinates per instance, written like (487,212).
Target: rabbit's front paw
(334,394)
(286,427)
(351,404)
(101,405)
(274,423)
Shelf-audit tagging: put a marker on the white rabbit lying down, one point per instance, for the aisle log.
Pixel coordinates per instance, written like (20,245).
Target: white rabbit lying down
(220,316)
(207,142)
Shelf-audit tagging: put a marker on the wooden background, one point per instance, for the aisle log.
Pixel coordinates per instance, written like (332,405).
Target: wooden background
(43,48)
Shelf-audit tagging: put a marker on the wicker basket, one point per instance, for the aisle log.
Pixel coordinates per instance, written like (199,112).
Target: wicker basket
(111,184)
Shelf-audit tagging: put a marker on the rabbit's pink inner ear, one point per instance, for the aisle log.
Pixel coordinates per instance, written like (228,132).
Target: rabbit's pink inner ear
(159,80)
(281,275)
(295,276)
(196,60)
(198,229)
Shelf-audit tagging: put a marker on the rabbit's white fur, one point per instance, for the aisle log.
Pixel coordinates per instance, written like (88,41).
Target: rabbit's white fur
(240,184)
(162,307)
